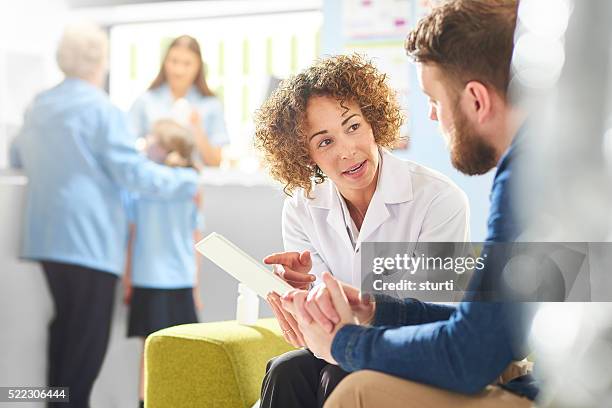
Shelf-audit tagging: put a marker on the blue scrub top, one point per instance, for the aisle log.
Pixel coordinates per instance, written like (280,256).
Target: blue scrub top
(157,104)
(77,151)
(163,254)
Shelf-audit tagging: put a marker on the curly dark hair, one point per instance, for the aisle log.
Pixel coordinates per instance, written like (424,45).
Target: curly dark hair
(280,122)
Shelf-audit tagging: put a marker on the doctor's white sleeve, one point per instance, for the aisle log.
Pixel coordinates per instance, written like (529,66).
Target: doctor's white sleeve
(295,237)
(447,218)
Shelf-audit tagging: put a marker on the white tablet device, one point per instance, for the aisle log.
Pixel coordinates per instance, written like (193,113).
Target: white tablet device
(241,266)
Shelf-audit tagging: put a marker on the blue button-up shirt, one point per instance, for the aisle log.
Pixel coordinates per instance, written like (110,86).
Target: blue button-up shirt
(158,104)
(462,349)
(78,154)
(163,254)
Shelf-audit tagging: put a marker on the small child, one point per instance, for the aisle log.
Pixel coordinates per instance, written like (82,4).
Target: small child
(161,279)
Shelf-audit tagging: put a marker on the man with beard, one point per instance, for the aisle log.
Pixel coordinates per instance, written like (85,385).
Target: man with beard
(406,353)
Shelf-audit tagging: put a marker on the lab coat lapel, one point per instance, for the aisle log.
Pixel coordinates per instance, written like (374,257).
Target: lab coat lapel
(327,199)
(336,220)
(394,186)
(376,215)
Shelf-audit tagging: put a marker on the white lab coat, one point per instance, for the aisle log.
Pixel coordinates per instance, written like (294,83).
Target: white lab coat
(411,204)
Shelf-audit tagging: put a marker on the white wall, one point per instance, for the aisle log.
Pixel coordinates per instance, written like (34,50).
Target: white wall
(29,31)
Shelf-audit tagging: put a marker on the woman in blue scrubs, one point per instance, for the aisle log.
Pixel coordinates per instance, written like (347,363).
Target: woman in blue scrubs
(180,92)
(77,151)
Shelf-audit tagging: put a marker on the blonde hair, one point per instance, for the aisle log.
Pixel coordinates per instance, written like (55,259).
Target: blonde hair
(82,51)
(176,140)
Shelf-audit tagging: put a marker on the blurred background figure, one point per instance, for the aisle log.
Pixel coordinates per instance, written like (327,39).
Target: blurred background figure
(180,92)
(563,74)
(77,152)
(162,272)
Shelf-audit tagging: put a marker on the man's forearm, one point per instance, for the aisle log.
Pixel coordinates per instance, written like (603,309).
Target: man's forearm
(403,312)
(462,354)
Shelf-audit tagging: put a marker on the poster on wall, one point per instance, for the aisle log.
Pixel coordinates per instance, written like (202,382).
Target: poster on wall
(389,57)
(366,19)
(423,7)
(376,29)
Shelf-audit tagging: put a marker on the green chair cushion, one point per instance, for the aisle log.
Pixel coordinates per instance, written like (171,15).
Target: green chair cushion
(217,364)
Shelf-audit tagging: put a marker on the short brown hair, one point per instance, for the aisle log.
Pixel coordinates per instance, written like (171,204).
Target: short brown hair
(469,40)
(280,123)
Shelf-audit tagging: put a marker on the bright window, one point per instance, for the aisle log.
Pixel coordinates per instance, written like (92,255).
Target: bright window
(241,54)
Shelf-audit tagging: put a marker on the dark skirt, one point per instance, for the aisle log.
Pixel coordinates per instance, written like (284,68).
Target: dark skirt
(155,309)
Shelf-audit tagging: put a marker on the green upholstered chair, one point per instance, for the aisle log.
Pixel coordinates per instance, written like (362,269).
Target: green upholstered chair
(203,365)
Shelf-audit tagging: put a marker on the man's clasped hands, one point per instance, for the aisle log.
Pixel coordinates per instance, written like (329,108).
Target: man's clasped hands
(312,317)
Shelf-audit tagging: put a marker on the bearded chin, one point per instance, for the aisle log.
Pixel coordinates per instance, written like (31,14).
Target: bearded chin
(470,153)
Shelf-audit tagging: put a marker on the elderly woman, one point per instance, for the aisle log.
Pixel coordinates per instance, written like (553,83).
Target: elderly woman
(180,92)
(78,155)
(325,135)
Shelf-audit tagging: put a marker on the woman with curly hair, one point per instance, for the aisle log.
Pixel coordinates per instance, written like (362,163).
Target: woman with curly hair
(326,134)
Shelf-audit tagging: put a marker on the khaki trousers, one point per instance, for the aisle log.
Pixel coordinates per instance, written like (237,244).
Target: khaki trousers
(373,389)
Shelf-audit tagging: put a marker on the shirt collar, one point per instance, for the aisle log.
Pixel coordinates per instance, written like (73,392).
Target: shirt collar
(516,145)
(191,95)
(394,184)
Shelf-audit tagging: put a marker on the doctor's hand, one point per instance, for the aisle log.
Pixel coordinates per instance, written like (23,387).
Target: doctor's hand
(292,267)
(286,321)
(319,305)
(318,339)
